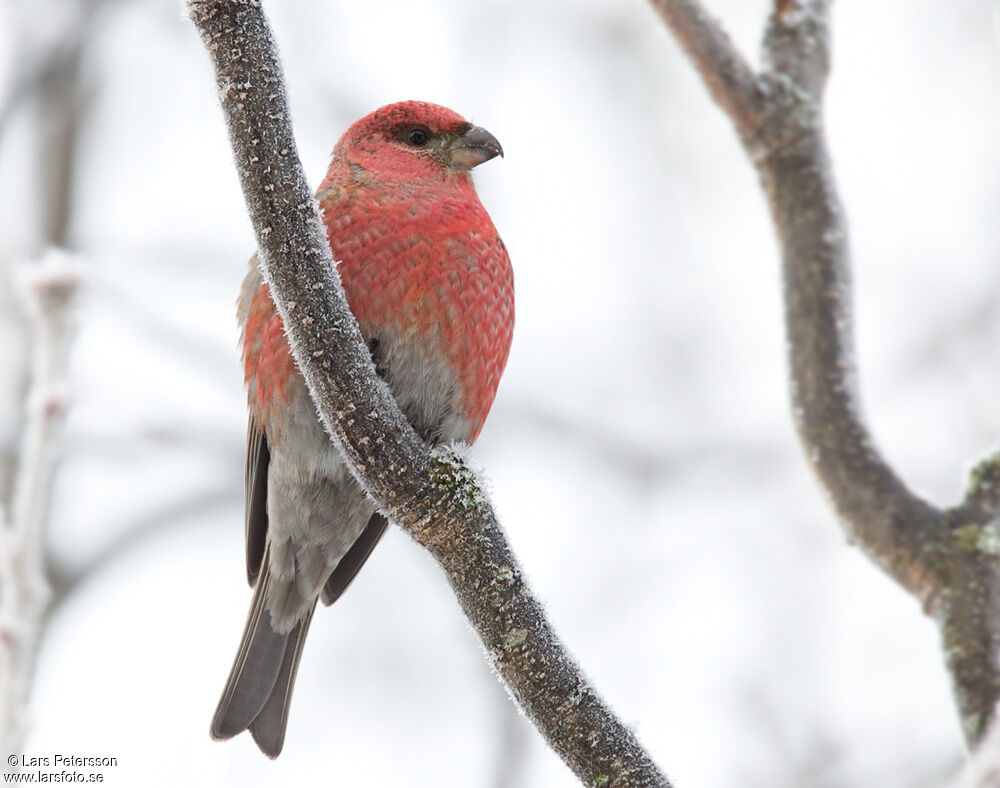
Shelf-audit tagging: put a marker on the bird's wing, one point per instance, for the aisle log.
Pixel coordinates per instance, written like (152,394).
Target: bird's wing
(355,558)
(258,457)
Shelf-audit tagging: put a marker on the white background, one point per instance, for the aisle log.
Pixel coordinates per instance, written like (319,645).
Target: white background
(640,450)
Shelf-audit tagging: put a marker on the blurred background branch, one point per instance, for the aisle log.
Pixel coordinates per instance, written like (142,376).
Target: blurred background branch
(947,559)
(44,83)
(46,87)
(43,80)
(48,287)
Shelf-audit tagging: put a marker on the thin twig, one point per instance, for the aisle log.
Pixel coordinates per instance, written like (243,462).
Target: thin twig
(433,495)
(891,523)
(48,287)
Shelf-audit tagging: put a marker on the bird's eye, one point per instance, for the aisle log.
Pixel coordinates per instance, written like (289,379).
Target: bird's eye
(418,137)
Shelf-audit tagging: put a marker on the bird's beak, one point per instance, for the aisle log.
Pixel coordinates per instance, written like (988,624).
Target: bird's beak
(473,148)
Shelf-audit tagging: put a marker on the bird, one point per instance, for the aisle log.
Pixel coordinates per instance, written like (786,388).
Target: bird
(430,282)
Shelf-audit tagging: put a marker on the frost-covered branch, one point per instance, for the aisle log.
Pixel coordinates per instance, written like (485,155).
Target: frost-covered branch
(433,495)
(947,559)
(48,288)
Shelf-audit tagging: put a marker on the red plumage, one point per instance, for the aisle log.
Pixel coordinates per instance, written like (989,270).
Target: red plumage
(430,283)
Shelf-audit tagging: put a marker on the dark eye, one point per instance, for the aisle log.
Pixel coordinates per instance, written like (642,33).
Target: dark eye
(418,137)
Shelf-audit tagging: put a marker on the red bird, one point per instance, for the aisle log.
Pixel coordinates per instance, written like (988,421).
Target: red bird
(430,283)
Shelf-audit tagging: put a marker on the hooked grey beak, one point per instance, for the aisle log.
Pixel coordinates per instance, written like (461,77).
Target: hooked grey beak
(473,148)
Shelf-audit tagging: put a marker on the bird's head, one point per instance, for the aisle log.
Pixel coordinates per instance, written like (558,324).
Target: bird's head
(411,140)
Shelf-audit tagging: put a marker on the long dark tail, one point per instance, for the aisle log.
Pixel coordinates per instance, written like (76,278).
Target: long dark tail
(259,688)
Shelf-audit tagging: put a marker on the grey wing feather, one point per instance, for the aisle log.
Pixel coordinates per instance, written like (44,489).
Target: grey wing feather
(355,558)
(349,566)
(258,457)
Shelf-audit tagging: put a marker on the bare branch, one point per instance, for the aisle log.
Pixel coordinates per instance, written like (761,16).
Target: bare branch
(797,44)
(892,524)
(968,614)
(947,559)
(433,496)
(49,288)
(729,78)
(895,527)
(46,77)
(62,106)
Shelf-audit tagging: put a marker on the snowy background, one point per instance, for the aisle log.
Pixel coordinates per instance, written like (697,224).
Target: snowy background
(640,450)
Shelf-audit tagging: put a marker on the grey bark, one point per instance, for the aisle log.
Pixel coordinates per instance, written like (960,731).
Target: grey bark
(946,558)
(432,495)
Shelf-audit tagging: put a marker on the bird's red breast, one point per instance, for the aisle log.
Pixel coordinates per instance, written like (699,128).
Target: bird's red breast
(420,258)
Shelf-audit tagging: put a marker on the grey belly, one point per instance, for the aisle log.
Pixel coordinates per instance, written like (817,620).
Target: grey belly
(316,510)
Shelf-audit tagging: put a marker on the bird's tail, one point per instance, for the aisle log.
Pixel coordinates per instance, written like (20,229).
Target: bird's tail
(259,688)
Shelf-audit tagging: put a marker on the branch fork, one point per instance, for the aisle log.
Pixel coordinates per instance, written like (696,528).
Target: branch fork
(946,558)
